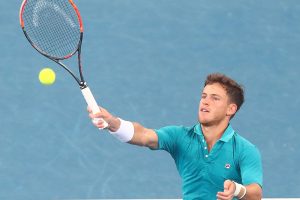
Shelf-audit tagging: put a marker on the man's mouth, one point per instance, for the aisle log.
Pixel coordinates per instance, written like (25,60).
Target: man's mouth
(204,110)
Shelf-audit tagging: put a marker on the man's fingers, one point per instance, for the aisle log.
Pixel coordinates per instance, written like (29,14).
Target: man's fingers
(228,191)
(224,195)
(99,118)
(92,116)
(99,122)
(88,109)
(96,120)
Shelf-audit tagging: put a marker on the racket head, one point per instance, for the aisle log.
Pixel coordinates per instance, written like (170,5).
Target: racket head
(53,27)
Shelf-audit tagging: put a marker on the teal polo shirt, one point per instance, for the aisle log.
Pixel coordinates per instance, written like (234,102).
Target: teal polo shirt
(203,172)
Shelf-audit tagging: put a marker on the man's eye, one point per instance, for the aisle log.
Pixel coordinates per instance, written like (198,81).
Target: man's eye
(216,98)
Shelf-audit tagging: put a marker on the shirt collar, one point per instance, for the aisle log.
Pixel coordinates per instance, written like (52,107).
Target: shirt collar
(227,135)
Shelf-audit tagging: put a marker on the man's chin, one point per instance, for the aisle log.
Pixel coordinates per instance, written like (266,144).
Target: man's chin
(205,122)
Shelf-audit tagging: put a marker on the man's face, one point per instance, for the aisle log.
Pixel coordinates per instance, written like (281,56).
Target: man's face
(214,105)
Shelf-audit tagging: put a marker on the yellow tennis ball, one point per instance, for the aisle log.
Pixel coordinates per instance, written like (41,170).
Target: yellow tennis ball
(47,76)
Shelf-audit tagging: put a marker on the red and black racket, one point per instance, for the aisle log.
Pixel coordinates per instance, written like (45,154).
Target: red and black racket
(55,29)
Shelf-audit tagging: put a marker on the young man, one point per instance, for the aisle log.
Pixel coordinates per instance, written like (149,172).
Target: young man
(213,161)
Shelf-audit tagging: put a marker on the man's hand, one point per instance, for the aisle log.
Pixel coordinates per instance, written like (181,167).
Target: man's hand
(227,194)
(113,122)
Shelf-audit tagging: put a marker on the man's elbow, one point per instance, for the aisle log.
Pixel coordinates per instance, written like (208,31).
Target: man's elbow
(149,139)
(257,196)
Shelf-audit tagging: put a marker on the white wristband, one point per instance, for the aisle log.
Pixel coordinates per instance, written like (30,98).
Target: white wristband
(125,131)
(238,188)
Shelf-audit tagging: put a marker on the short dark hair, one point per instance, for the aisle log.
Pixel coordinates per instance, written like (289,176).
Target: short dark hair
(234,90)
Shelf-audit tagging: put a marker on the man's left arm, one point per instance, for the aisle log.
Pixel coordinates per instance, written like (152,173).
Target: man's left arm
(252,177)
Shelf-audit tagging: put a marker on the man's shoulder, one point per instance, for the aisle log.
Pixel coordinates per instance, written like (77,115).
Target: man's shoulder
(170,137)
(244,144)
(177,128)
(242,140)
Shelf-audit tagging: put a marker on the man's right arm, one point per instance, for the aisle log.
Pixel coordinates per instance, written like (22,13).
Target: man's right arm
(144,137)
(141,136)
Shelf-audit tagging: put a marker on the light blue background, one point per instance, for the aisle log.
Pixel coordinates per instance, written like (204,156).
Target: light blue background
(146,61)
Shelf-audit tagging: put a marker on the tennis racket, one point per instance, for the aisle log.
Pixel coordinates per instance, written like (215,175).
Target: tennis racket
(55,29)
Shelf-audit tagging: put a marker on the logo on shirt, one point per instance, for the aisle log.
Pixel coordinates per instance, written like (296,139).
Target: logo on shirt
(227,166)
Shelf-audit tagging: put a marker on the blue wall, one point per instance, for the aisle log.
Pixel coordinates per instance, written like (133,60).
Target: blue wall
(146,61)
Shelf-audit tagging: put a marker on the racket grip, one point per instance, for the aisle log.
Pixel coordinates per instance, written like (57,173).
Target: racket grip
(91,102)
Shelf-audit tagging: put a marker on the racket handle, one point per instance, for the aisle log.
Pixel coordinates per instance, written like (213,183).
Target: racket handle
(91,102)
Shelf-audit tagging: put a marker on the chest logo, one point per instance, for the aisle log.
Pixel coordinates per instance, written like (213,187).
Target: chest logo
(227,166)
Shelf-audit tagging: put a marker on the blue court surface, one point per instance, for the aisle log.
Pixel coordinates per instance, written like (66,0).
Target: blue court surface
(146,61)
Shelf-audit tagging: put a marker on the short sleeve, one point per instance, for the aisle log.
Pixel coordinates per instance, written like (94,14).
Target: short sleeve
(167,138)
(251,166)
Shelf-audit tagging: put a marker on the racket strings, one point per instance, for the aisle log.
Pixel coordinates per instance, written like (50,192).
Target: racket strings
(52,26)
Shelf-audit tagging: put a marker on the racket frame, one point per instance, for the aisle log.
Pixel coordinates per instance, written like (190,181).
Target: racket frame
(88,96)
(80,81)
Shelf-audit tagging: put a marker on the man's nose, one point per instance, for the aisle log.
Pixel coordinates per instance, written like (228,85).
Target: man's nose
(205,101)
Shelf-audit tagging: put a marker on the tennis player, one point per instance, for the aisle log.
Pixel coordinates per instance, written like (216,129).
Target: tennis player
(213,160)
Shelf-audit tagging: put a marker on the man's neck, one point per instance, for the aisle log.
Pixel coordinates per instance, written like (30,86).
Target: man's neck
(213,133)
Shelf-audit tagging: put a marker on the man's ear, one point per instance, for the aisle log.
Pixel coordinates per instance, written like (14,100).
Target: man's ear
(231,110)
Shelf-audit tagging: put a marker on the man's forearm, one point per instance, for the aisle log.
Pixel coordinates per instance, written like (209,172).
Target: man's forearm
(254,192)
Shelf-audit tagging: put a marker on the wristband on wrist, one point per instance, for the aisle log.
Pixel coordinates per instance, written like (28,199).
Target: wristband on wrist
(238,188)
(125,132)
